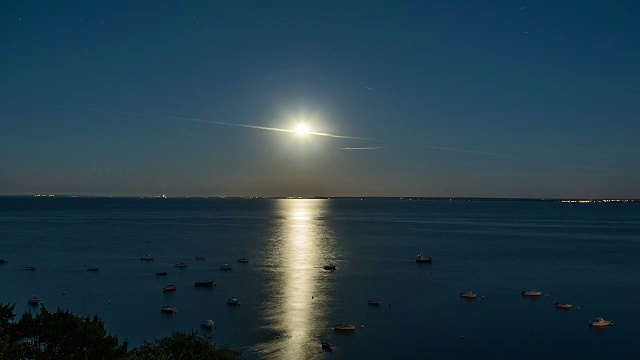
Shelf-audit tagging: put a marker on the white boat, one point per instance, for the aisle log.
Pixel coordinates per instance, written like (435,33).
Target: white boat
(600,322)
(563,306)
(207,324)
(233,302)
(168,309)
(226,267)
(423,259)
(169,288)
(468,295)
(532,292)
(181,265)
(34,300)
(146,258)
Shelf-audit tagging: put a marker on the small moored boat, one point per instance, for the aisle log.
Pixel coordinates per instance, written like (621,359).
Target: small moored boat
(147,258)
(330,267)
(344,327)
(600,322)
(532,292)
(168,309)
(200,258)
(32,267)
(162,273)
(225,267)
(34,300)
(373,303)
(326,346)
(94,269)
(3,261)
(181,265)
(233,302)
(563,306)
(243,260)
(169,288)
(468,295)
(423,259)
(203,284)
(207,324)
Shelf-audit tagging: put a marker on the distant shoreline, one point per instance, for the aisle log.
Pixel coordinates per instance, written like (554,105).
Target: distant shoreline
(404,198)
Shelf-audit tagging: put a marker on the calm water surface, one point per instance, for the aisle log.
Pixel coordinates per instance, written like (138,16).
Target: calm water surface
(585,254)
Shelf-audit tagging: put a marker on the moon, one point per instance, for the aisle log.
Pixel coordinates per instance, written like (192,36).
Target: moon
(302,129)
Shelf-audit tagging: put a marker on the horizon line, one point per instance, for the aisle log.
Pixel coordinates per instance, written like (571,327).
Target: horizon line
(390,197)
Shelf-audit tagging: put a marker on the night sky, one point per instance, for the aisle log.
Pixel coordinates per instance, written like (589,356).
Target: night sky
(431,98)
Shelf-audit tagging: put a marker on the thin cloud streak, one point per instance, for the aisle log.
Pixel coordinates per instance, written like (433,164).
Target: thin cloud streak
(340,136)
(471,151)
(270,128)
(362,148)
(267,128)
(485,153)
(441,148)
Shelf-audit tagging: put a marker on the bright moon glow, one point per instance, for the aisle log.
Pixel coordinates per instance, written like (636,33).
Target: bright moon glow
(302,129)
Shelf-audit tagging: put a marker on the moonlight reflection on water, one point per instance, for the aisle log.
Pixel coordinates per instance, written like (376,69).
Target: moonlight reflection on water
(297,308)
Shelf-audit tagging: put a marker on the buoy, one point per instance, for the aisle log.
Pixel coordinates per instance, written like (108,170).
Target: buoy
(361,326)
(109,301)
(64,293)
(461,336)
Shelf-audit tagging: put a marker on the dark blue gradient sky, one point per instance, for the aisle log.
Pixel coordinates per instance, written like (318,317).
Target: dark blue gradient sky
(463,98)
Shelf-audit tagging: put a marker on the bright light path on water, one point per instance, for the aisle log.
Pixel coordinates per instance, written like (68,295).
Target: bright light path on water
(297,308)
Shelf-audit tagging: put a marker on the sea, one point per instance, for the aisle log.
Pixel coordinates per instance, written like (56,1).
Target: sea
(585,254)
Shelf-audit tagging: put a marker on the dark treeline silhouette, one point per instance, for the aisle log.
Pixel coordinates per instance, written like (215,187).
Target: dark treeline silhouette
(65,335)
